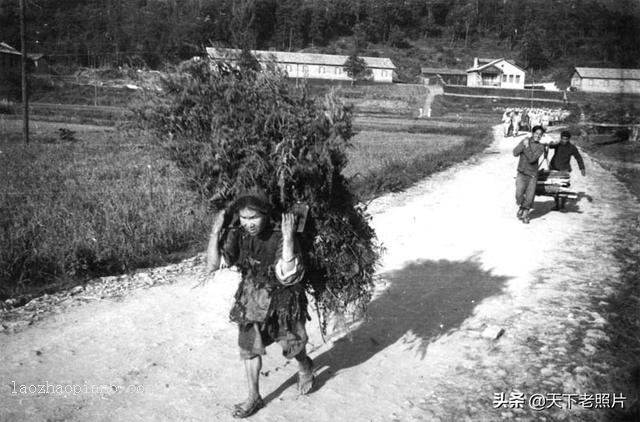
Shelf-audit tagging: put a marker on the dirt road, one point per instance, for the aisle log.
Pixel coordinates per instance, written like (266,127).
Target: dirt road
(472,307)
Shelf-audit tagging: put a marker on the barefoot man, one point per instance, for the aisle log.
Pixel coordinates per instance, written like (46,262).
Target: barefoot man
(528,152)
(270,303)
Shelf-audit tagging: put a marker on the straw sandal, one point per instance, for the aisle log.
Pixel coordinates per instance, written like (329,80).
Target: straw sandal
(306,379)
(240,412)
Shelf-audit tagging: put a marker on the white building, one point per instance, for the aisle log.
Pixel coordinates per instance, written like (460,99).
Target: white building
(498,73)
(594,79)
(309,65)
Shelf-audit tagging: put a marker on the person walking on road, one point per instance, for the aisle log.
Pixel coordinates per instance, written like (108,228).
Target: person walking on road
(528,151)
(506,121)
(561,160)
(515,122)
(270,303)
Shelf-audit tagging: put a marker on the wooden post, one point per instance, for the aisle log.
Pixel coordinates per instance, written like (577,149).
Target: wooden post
(25,95)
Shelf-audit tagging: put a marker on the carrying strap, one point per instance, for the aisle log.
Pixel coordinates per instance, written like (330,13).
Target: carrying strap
(545,158)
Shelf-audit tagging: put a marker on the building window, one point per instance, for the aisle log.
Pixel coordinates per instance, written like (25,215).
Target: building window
(510,79)
(504,78)
(305,68)
(517,79)
(321,69)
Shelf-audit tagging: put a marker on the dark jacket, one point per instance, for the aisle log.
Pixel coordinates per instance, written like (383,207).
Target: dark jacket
(528,161)
(562,157)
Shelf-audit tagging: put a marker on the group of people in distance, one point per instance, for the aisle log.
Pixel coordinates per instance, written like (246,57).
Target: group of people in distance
(529,151)
(515,120)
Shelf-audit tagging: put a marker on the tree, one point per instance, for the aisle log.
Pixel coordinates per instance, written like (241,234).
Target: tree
(536,52)
(356,68)
(230,129)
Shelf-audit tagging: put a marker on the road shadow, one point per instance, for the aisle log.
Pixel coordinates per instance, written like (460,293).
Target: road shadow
(426,298)
(540,209)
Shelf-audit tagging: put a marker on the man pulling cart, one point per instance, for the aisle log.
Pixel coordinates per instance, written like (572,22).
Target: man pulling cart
(556,181)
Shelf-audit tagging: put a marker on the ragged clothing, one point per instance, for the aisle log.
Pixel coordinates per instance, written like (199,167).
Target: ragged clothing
(270,305)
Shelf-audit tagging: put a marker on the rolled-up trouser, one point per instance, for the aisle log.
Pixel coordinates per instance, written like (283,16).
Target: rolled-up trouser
(525,190)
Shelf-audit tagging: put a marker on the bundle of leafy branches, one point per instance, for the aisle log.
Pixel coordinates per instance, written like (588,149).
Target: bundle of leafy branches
(232,129)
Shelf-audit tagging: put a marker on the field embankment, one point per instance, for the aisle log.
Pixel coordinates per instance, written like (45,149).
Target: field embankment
(457,99)
(392,161)
(403,100)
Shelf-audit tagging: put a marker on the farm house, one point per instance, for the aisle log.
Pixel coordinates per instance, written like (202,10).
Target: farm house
(311,65)
(498,73)
(433,75)
(593,79)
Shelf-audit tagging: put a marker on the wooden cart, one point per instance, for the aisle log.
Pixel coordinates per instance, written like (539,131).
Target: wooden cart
(554,183)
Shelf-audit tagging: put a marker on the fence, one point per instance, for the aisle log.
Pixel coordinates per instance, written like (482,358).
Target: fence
(524,94)
(575,97)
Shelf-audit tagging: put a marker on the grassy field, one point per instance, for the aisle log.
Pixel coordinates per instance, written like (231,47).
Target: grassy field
(87,202)
(385,161)
(81,201)
(375,150)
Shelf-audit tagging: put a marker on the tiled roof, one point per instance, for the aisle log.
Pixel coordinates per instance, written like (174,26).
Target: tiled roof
(608,73)
(303,58)
(482,66)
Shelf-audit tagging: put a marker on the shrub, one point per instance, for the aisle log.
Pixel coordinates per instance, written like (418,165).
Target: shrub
(234,129)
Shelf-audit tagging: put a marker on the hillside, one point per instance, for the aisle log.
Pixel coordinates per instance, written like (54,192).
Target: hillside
(543,36)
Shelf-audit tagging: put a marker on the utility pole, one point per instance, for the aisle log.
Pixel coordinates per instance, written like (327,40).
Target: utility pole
(532,83)
(25,96)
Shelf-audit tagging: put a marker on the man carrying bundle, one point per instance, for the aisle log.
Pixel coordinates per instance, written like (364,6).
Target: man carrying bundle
(563,151)
(529,151)
(270,303)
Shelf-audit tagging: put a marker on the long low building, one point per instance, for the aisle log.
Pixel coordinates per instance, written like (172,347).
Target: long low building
(612,80)
(311,65)
(447,76)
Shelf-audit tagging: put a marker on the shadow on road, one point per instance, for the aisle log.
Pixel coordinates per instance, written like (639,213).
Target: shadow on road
(540,209)
(426,298)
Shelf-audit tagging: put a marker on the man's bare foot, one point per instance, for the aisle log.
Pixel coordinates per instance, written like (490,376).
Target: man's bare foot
(305,377)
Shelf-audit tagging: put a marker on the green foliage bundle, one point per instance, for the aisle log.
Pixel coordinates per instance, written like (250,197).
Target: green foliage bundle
(234,129)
